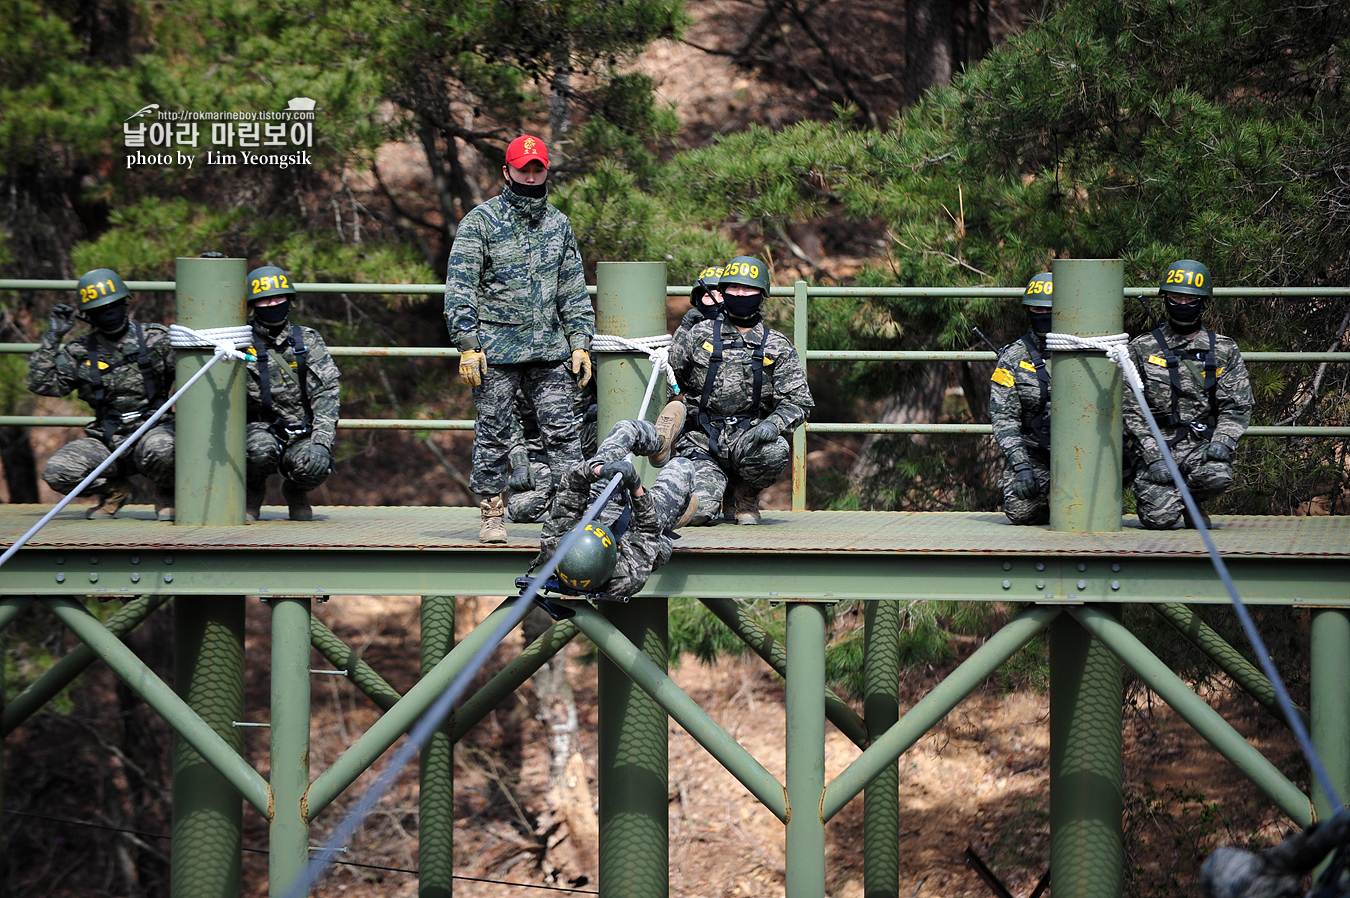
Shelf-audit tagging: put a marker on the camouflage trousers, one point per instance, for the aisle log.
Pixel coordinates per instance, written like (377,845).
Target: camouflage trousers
(266,456)
(532,505)
(1159,504)
(671,491)
(756,465)
(553,392)
(1035,510)
(152,455)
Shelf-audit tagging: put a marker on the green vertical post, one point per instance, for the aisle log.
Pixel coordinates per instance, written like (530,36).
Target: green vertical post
(288,837)
(209,630)
(881,711)
(799,327)
(805,844)
(436,765)
(1085,442)
(1330,700)
(633,751)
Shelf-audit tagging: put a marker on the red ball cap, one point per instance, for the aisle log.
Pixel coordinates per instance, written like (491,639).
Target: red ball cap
(525,148)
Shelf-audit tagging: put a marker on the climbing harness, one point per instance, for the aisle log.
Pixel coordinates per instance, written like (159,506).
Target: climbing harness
(1037,427)
(714,425)
(287,431)
(104,415)
(1202,430)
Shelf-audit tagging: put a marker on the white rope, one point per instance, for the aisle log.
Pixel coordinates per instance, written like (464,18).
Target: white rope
(655,347)
(1116,347)
(222,339)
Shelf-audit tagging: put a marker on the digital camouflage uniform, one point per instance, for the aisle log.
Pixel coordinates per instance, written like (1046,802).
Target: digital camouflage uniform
(785,400)
(646,544)
(515,288)
(528,506)
(1160,504)
(1017,403)
(271,449)
(56,369)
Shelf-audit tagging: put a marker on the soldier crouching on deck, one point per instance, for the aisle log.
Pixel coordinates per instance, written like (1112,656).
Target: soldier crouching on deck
(292,399)
(1196,385)
(1019,409)
(630,538)
(124,370)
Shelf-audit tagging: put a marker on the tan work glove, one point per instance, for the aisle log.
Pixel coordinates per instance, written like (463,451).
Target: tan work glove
(581,364)
(472,366)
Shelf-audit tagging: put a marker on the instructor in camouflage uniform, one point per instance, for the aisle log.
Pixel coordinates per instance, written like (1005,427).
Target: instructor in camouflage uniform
(745,392)
(1019,408)
(124,370)
(631,538)
(531,482)
(1196,385)
(516,306)
(292,399)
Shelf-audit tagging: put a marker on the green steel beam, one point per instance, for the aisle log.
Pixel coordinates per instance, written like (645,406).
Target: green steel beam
(511,677)
(763,644)
(10,609)
(288,835)
(805,700)
(436,764)
(153,691)
(1330,693)
(1226,657)
(620,650)
(806,576)
(890,745)
(1195,711)
(398,719)
(361,674)
(881,705)
(72,664)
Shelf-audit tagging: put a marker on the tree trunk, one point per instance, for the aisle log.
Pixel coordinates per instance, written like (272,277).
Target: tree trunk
(928,46)
(16,456)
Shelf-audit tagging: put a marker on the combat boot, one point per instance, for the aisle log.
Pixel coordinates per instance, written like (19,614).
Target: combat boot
(668,427)
(163,504)
(115,494)
(1190,522)
(689,511)
(494,514)
(745,504)
(253,499)
(297,501)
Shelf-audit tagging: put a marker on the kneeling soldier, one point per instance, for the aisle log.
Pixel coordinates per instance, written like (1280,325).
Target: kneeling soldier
(124,370)
(1019,409)
(292,399)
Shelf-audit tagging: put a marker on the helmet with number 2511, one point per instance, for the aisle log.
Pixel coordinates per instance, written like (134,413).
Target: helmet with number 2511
(1187,276)
(100,287)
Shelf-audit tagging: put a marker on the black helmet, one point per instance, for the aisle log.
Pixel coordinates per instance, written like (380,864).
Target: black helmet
(269,280)
(589,562)
(1187,276)
(100,287)
(1040,290)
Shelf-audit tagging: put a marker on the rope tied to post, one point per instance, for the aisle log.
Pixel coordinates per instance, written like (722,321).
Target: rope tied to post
(225,340)
(656,348)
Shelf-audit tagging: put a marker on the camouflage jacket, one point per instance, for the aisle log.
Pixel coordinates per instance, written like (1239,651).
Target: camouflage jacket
(785,399)
(55,370)
(282,368)
(1016,402)
(1233,390)
(642,547)
(514,284)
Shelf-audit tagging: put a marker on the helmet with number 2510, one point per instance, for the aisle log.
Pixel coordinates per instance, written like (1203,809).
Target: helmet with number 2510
(1187,276)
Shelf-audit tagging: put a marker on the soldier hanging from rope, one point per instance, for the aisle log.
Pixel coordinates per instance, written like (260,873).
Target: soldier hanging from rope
(1019,409)
(123,369)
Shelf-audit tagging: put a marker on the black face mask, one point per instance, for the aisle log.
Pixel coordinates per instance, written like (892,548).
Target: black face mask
(529,191)
(743,310)
(110,319)
(1184,317)
(274,315)
(1040,322)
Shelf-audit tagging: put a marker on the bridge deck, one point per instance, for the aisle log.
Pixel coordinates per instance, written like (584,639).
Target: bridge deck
(815,554)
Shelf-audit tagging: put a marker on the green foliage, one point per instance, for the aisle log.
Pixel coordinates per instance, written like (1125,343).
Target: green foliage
(695,630)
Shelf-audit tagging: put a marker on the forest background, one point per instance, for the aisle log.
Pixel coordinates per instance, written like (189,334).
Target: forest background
(927,142)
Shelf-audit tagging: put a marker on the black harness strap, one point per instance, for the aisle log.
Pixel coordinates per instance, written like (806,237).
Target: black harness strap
(102,413)
(1037,427)
(714,424)
(1201,429)
(296,341)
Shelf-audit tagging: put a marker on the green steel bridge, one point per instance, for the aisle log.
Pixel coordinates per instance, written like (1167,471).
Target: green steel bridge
(1070,578)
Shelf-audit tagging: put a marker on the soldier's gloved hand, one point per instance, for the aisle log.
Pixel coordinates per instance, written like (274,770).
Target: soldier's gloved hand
(581,364)
(319,460)
(1218,452)
(62,319)
(1157,472)
(763,432)
(522,473)
(631,481)
(472,366)
(1024,485)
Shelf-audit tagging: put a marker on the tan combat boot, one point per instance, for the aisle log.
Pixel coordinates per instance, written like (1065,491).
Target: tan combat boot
(297,501)
(745,504)
(115,495)
(163,505)
(494,516)
(689,511)
(668,427)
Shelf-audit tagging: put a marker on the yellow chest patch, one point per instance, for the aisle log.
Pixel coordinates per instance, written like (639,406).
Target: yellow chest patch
(708,346)
(1027,365)
(102,365)
(1003,376)
(1157,360)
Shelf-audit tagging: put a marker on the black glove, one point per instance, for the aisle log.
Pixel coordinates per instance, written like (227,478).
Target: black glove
(522,472)
(1218,452)
(1024,485)
(318,461)
(763,432)
(1157,472)
(63,319)
(631,481)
